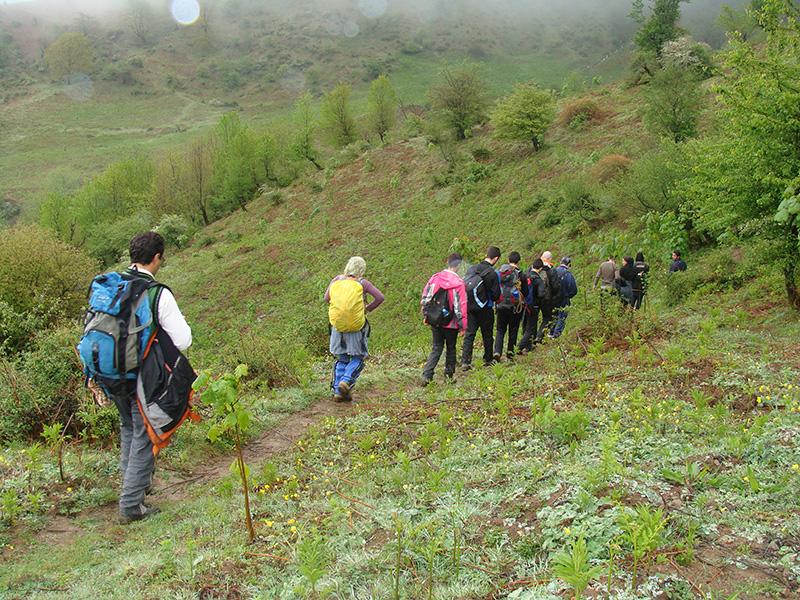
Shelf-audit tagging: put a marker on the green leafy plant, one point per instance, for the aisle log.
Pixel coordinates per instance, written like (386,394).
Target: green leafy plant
(313,559)
(643,532)
(54,435)
(231,416)
(574,569)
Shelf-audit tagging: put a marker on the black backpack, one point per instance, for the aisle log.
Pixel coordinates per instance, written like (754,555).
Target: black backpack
(438,311)
(554,283)
(477,295)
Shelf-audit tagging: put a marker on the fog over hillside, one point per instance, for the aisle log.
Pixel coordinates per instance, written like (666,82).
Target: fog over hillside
(698,15)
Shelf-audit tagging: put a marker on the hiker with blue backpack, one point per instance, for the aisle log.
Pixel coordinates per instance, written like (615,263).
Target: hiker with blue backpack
(132,345)
(483,290)
(347,312)
(569,289)
(444,308)
(510,306)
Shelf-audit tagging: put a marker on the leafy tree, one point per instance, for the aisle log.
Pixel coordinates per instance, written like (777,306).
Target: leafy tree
(305,128)
(381,106)
(673,103)
(461,94)
(337,119)
(739,22)
(69,54)
(525,114)
(657,27)
(744,180)
(199,173)
(141,21)
(235,176)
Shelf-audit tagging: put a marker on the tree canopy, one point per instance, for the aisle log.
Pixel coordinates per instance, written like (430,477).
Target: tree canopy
(71,53)
(525,114)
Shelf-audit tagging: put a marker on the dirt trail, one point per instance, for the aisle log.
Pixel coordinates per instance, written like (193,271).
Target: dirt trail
(61,529)
(270,443)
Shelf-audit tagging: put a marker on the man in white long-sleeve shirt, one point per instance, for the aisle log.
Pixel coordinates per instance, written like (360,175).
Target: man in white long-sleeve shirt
(136,450)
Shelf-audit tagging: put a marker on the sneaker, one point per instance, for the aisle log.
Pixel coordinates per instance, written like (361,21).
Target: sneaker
(143,512)
(344,390)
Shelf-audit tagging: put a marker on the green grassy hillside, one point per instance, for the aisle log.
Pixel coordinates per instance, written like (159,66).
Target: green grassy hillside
(667,440)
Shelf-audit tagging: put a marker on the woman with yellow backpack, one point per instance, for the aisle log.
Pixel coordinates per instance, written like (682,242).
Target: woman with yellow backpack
(347,312)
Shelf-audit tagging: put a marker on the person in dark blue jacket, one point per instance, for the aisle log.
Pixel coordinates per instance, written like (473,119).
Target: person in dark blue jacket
(569,289)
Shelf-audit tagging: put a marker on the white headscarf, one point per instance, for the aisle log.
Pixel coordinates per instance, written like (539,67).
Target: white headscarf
(356,267)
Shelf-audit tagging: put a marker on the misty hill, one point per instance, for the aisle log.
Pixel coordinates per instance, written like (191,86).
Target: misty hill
(154,83)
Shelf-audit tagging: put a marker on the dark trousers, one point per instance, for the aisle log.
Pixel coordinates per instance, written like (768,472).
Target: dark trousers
(507,321)
(442,336)
(636,299)
(547,322)
(483,319)
(530,325)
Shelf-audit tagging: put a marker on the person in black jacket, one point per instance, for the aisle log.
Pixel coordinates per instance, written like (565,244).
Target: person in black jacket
(536,294)
(624,283)
(510,310)
(483,290)
(640,281)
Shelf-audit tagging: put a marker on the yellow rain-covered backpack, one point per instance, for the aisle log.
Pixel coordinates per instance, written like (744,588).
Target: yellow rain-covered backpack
(347,311)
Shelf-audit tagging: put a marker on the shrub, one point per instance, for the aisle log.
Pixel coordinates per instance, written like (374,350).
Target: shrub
(611,167)
(175,229)
(44,386)
(39,273)
(578,112)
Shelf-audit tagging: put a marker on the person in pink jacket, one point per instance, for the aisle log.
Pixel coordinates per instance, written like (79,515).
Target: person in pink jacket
(444,306)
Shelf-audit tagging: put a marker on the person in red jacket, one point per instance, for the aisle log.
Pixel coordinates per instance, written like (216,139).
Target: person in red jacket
(444,306)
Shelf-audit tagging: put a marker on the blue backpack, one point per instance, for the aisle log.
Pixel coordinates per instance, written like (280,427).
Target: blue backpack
(117,327)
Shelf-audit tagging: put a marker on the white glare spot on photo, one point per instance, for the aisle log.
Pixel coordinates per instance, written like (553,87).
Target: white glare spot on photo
(351,29)
(185,12)
(372,9)
(78,87)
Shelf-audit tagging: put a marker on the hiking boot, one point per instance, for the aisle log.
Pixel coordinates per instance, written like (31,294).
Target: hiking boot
(466,368)
(522,351)
(510,356)
(425,382)
(344,390)
(496,358)
(337,397)
(143,512)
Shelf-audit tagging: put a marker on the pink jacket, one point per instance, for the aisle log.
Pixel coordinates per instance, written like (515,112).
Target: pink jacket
(457,292)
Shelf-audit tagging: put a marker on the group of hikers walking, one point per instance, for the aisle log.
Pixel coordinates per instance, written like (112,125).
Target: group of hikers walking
(135,334)
(507,298)
(498,302)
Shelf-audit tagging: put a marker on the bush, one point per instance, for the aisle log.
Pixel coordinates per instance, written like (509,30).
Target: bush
(611,167)
(44,386)
(41,274)
(109,241)
(175,229)
(577,113)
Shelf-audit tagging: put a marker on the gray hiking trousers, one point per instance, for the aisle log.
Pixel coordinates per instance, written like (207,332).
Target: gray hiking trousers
(136,461)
